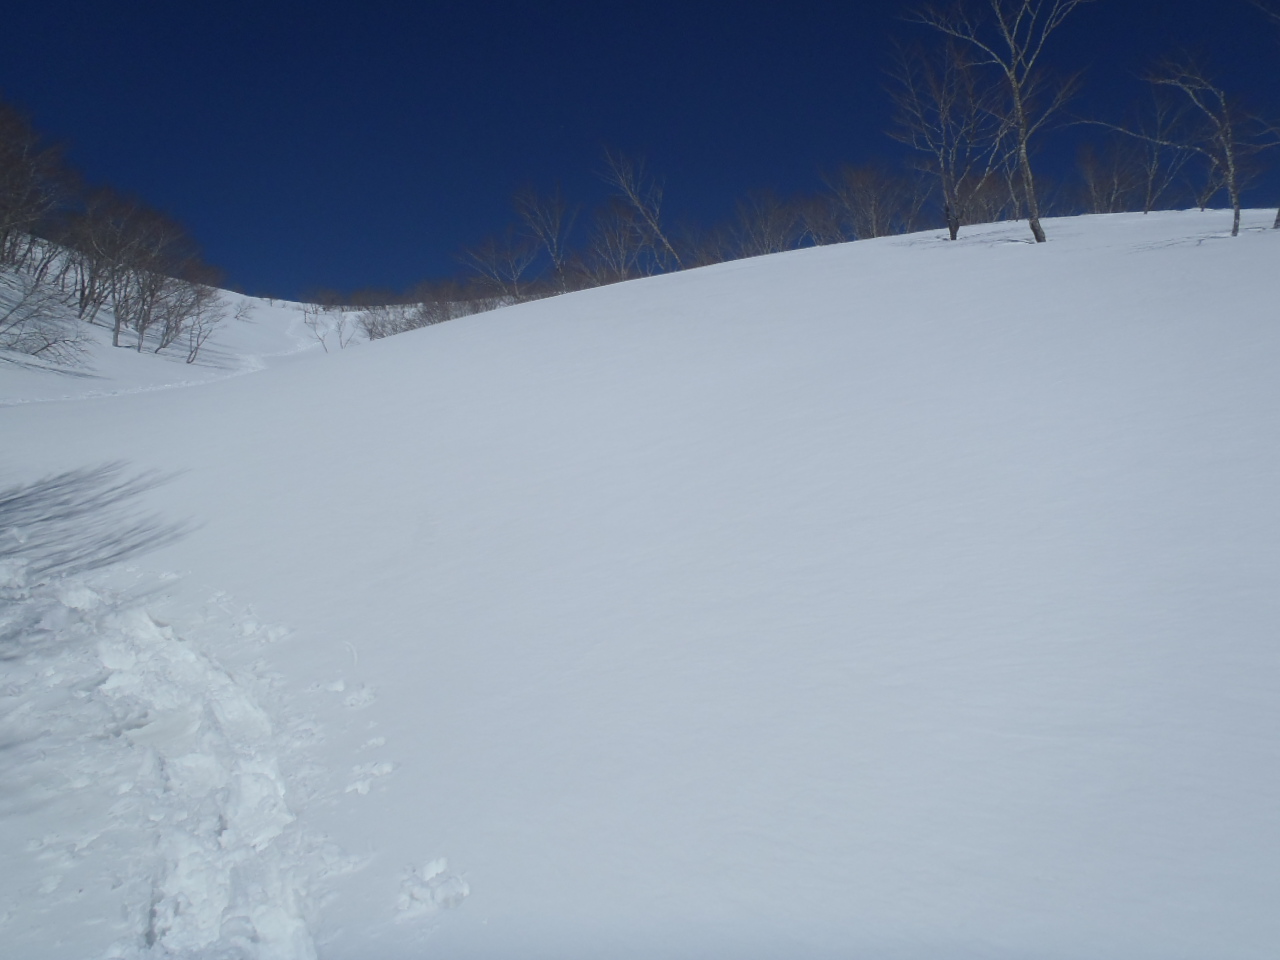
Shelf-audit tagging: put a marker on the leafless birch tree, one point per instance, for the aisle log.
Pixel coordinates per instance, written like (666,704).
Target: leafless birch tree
(873,202)
(766,224)
(643,194)
(549,219)
(501,264)
(1216,129)
(944,113)
(1009,37)
(619,246)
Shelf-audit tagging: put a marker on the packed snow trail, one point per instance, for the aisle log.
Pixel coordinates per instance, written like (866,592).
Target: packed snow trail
(115,723)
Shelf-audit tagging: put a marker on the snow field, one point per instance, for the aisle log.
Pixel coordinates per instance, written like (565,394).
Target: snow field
(900,599)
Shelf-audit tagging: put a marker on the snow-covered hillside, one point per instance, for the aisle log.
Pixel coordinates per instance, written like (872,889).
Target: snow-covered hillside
(898,599)
(246,342)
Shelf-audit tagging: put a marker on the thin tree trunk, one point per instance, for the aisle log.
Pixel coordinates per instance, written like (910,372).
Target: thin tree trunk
(1024,163)
(1233,185)
(950,204)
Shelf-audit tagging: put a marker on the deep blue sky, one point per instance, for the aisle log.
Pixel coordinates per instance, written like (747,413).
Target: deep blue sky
(349,145)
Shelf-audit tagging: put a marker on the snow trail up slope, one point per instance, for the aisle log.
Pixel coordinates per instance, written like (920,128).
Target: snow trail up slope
(897,599)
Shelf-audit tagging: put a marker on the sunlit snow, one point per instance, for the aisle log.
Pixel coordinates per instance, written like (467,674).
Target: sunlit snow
(895,599)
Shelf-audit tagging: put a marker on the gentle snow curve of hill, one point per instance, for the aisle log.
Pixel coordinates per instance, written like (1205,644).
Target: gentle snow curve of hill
(903,599)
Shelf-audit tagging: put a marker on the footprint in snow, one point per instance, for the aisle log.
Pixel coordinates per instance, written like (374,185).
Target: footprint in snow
(362,696)
(429,889)
(368,772)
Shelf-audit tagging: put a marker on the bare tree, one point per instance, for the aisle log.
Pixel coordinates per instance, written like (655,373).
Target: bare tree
(643,194)
(177,303)
(1111,181)
(821,222)
(1010,36)
(872,202)
(383,321)
(314,320)
(549,219)
(766,224)
(942,111)
(1217,130)
(121,253)
(388,320)
(1162,165)
(1221,139)
(619,246)
(207,314)
(501,264)
(32,183)
(701,247)
(345,329)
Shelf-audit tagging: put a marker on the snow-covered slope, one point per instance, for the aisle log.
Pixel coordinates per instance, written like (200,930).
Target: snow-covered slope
(899,599)
(245,342)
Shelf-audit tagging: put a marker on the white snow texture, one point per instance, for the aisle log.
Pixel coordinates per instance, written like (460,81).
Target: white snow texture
(901,599)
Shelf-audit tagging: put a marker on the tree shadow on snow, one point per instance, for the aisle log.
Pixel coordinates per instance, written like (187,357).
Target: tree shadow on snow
(78,521)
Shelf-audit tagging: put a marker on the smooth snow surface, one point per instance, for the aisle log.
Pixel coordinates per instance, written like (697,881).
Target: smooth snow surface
(898,599)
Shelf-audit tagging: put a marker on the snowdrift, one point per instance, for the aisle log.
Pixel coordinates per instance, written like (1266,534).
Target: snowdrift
(898,599)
